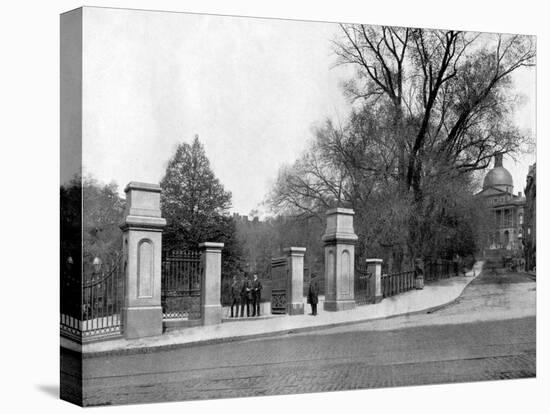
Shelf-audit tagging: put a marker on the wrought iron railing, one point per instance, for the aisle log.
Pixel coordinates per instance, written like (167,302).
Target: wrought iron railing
(181,284)
(364,287)
(278,286)
(395,283)
(95,311)
(102,302)
(71,299)
(435,270)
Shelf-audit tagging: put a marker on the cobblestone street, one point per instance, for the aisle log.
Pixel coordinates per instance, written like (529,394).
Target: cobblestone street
(487,334)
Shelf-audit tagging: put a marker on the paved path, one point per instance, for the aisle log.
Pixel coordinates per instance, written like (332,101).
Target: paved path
(489,333)
(433,295)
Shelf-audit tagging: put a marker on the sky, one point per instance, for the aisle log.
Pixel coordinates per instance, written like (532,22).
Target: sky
(252,89)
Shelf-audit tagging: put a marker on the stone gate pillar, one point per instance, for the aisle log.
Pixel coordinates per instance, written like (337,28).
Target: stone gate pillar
(142,245)
(211,279)
(339,239)
(374,266)
(295,290)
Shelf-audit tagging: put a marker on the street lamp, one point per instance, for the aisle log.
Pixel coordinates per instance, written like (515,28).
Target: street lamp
(97,264)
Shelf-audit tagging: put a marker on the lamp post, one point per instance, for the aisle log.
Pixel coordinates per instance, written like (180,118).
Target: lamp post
(97,264)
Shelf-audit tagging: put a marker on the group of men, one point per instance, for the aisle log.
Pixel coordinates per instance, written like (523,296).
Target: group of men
(245,293)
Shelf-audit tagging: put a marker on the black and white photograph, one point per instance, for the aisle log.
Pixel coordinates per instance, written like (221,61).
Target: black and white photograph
(263,206)
(258,209)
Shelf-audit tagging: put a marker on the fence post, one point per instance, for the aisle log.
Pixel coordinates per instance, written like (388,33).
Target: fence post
(374,266)
(339,239)
(419,274)
(295,291)
(211,278)
(142,245)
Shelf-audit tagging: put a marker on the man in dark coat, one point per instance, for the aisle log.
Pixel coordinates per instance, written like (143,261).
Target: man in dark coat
(313,295)
(256,295)
(246,296)
(235,296)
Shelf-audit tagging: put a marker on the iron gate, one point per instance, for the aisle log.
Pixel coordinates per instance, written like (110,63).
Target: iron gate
(91,305)
(364,288)
(279,281)
(181,284)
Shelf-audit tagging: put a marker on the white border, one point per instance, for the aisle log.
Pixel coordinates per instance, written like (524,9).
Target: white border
(29,204)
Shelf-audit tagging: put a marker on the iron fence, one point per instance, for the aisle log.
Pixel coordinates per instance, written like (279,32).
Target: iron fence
(71,299)
(395,283)
(103,299)
(435,270)
(95,309)
(364,288)
(279,285)
(181,284)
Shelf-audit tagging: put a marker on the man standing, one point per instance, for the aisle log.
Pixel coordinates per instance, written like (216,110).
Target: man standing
(313,294)
(256,295)
(246,292)
(235,296)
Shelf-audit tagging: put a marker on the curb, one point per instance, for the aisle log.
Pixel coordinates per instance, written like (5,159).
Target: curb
(214,341)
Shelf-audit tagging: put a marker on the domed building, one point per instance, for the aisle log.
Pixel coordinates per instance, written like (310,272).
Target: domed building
(506,233)
(499,178)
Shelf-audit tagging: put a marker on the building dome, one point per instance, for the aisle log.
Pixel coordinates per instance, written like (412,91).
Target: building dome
(499,177)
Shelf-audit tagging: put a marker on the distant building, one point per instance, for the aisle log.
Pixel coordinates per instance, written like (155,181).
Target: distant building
(506,234)
(245,220)
(530,222)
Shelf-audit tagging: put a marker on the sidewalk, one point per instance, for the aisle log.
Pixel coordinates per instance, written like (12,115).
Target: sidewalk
(432,296)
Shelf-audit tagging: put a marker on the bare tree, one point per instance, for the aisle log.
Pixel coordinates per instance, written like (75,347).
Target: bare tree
(380,56)
(431,107)
(456,84)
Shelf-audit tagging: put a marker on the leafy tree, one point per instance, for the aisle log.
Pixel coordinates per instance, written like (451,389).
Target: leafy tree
(196,205)
(91,213)
(70,281)
(103,211)
(71,220)
(266,239)
(256,239)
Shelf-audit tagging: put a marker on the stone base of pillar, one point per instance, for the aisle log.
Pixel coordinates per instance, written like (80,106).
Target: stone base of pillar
(419,283)
(211,314)
(296,309)
(142,322)
(338,305)
(378,299)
